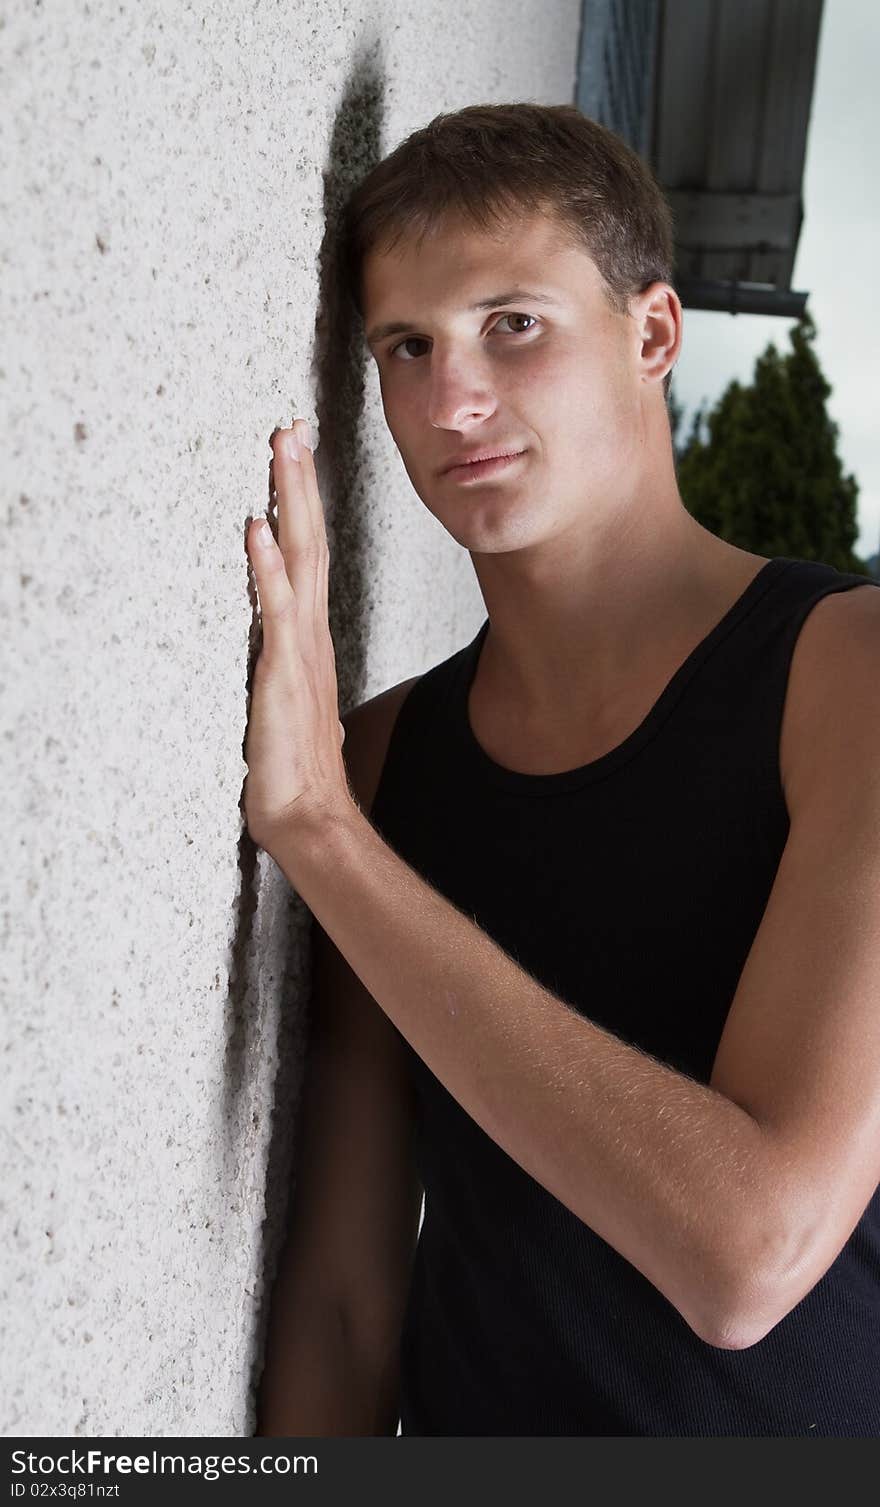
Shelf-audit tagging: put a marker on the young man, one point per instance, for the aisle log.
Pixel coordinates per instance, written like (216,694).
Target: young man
(598,897)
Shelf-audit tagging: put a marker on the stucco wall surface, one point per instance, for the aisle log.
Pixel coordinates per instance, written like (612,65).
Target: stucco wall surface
(169,172)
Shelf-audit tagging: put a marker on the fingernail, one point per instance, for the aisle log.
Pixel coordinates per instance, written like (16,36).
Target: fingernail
(291,444)
(264,535)
(309,437)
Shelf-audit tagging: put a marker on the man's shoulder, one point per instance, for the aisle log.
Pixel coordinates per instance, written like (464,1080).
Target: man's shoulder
(840,636)
(369,725)
(368,729)
(833,693)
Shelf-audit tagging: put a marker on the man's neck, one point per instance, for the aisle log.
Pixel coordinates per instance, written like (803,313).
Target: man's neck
(593,632)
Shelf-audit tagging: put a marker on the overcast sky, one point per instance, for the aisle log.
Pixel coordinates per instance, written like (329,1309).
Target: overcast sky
(837,261)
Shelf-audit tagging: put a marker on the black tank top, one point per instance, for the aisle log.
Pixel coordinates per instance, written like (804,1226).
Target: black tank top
(632,888)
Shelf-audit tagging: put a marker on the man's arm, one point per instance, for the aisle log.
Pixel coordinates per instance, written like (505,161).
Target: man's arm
(339,1296)
(731,1198)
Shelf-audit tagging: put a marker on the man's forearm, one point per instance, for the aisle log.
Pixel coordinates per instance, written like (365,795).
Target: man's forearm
(316,1381)
(673,1175)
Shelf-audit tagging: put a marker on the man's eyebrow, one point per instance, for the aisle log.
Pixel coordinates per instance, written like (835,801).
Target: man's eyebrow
(513,295)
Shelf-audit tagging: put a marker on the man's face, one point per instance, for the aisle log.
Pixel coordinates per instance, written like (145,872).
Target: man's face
(558,380)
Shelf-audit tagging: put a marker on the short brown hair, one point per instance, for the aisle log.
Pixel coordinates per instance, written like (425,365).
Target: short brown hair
(488,163)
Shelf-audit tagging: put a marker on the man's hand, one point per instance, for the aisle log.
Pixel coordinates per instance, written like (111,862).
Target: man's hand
(293,748)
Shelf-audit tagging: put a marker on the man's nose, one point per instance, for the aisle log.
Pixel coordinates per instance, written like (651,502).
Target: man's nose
(460,393)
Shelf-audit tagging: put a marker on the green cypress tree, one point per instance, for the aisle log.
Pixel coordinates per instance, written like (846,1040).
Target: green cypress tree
(769,477)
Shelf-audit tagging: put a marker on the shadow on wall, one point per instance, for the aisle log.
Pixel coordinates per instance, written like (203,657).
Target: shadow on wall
(338,382)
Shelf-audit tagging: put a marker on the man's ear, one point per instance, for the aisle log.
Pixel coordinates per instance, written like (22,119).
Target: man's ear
(658,317)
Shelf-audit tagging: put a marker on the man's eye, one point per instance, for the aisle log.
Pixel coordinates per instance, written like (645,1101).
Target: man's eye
(518,316)
(420,339)
(408,341)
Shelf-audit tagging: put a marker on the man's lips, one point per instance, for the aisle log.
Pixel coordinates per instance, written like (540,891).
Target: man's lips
(481,463)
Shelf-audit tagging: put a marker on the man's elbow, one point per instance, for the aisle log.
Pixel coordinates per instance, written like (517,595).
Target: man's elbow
(748,1317)
(736,1334)
(759,1285)
(729,1326)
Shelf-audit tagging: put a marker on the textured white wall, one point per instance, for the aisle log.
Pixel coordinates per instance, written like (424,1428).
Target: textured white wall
(168,171)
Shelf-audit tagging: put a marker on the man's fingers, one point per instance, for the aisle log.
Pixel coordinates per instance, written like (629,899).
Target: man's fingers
(301,533)
(301,429)
(292,576)
(294,520)
(278,604)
